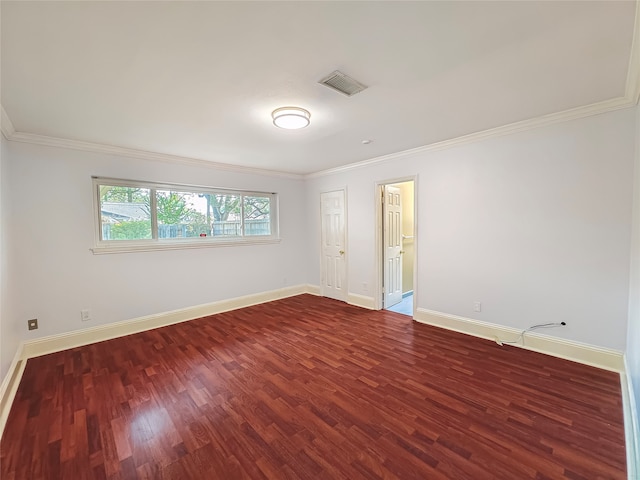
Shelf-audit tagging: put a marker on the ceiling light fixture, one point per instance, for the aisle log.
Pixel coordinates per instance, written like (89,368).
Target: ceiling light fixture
(290,118)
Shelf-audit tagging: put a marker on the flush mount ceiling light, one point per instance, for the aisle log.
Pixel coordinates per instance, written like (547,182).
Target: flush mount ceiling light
(290,118)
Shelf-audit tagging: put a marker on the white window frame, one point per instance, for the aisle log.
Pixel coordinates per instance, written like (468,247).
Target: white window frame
(124,246)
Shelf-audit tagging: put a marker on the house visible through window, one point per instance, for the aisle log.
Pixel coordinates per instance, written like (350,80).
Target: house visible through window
(141,213)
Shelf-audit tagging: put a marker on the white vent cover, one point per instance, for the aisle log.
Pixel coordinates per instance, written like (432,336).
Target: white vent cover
(342,83)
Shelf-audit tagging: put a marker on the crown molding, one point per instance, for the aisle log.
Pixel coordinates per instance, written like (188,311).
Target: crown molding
(627,101)
(32,138)
(524,125)
(630,99)
(5,125)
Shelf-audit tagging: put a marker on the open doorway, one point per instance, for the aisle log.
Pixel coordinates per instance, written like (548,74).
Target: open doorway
(397,253)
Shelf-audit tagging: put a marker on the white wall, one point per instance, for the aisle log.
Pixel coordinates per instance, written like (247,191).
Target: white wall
(57,275)
(633,334)
(535,225)
(9,333)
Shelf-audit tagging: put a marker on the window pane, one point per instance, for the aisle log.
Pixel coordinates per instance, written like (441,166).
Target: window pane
(225,214)
(125,213)
(182,214)
(257,216)
(143,215)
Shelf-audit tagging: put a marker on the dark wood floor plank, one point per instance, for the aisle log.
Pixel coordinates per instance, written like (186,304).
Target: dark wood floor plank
(311,388)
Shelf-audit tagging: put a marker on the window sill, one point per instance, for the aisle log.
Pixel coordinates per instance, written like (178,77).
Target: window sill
(178,245)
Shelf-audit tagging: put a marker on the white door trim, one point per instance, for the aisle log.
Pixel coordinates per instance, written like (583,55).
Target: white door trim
(346,242)
(377,287)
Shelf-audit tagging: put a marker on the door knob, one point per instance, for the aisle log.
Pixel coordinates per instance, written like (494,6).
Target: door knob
(341,252)
(401,252)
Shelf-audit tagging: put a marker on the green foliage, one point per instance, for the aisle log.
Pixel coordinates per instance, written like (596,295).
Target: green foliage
(172,209)
(133,230)
(124,194)
(195,229)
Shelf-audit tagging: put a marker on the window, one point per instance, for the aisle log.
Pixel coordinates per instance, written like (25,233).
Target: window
(141,215)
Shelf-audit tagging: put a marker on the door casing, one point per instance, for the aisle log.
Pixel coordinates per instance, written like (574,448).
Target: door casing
(324,291)
(379,255)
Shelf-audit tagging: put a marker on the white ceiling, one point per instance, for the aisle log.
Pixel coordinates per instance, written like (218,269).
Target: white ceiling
(200,79)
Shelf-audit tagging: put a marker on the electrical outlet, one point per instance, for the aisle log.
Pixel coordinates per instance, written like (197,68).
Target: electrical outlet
(32,324)
(477,306)
(365,287)
(85,315)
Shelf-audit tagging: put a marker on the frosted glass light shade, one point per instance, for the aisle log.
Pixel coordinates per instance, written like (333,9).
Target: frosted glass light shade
(290,118)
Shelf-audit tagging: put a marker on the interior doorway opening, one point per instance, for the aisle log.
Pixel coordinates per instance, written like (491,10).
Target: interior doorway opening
(397,253)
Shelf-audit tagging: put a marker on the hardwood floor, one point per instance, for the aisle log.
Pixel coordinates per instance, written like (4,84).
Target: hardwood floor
(311,388)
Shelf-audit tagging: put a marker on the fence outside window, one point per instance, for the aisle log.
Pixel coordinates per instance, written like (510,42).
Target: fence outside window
(144,214)
(220,229)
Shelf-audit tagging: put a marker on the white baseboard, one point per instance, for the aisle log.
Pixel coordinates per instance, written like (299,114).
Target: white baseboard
(77,338)
(603,358)
(631,424)
(9,386)
(56,343)
(352,298)
(578,352)
(361,301)
(312,289)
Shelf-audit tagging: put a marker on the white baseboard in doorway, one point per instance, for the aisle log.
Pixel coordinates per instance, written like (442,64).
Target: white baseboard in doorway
(578,352)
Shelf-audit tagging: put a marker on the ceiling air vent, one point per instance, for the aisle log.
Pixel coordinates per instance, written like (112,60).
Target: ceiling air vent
(342,83)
